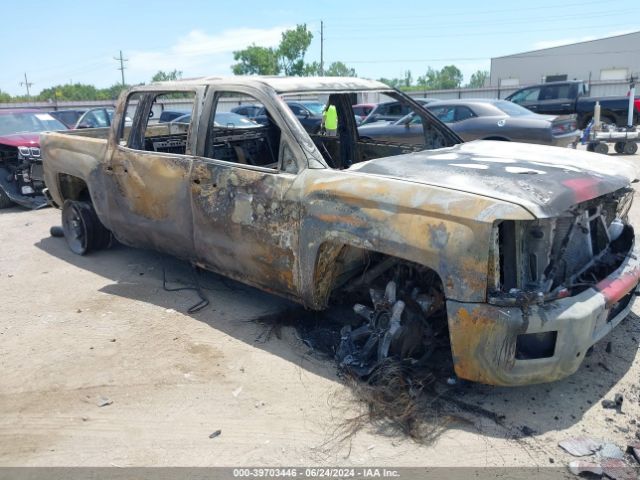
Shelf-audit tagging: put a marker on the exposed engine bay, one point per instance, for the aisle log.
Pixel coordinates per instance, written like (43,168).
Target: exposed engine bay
(560,257)
(22,176)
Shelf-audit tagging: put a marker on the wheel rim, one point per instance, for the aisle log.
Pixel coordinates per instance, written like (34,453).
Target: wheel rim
(75,230)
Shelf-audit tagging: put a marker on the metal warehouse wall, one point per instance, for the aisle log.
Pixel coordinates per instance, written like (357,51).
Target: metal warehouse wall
(582,61)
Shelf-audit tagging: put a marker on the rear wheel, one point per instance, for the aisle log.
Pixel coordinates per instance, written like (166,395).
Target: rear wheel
(602,148)
(82,228)
(5,201)
(619,147)
(630,148)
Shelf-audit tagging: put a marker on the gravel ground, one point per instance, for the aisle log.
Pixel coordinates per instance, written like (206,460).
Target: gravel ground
(78,332)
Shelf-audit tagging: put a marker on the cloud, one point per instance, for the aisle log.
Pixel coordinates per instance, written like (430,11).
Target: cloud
(200,53)
(567,41)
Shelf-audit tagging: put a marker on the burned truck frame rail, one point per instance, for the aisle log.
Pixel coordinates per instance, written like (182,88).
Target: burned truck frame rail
(523,251)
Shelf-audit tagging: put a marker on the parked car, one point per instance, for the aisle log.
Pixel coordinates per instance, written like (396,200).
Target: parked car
(171,115)
(309,113)
(21,176)
(68,116)
(223,119)
(98,117)
(570,97)
(482,120)
(363,109)
(247,110)
(520,256)
(391,111)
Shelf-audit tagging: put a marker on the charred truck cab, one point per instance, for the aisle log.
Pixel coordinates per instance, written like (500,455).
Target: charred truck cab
(522,253)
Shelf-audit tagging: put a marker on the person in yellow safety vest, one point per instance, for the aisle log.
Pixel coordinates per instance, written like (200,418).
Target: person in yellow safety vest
(330,120)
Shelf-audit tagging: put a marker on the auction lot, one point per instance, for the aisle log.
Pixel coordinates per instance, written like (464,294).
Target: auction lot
(102,367)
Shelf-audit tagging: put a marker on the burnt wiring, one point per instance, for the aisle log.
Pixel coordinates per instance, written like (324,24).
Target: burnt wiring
(204,301)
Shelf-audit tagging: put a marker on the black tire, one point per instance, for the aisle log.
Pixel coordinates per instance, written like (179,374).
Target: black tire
(601,148)
(630,148)
(82,228)
(619,147)
(5,201)
(608,120)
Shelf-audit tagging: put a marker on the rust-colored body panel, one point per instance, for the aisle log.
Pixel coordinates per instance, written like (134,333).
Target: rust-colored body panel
(282,231)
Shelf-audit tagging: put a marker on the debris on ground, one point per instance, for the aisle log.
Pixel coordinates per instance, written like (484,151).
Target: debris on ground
(215,434)
(610,450)
(104,401)
(580,446)
(617,469)
(527,431)
(578,467)
(56,231)
(237,392)
(615,404)
(634,450)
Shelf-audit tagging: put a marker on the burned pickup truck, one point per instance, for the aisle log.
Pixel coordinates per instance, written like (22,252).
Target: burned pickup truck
(523,252)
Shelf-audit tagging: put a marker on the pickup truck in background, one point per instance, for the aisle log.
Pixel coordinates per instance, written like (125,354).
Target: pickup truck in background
(564,98)
(513,258)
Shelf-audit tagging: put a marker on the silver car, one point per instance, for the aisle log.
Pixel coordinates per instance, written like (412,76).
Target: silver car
(481,120)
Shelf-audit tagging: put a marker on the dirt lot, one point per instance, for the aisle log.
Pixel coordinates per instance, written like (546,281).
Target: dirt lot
(75,329)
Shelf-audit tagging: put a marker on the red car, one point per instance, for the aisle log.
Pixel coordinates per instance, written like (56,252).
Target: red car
(363,109)
(21,176)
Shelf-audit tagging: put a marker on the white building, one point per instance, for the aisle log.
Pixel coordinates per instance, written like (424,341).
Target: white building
(605,59)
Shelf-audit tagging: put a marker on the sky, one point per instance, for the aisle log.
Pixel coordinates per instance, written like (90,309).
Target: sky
(65,41)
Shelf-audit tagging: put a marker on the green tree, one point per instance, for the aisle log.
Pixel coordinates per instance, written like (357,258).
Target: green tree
(448,77)
(167,76)
(114,91)
(408,79)
(256,60)
(478,79)
(70,91)
(339,69)
(4,97)
(292,49)
(392,82)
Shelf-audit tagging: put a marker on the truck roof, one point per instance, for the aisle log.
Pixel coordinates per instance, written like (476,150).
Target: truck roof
(284,84)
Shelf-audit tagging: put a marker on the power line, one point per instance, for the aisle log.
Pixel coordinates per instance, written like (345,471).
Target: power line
(27,84)
(465,10)
(122,67)
(471,34)
(457,23)
(461,59)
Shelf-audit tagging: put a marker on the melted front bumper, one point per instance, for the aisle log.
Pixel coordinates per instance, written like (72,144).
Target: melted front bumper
(484,337)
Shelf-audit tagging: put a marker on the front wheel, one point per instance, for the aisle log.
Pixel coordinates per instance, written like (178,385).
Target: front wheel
(82,228)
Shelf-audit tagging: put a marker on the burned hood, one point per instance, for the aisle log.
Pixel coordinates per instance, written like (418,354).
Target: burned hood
(544,180)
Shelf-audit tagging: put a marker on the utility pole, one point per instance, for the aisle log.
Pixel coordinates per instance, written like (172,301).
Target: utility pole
(26,84)
(321,48)
(122,67)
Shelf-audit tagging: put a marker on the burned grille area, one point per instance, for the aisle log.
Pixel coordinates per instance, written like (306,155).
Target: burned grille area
(562,256)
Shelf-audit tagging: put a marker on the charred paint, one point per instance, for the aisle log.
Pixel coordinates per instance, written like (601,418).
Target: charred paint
(287,233)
